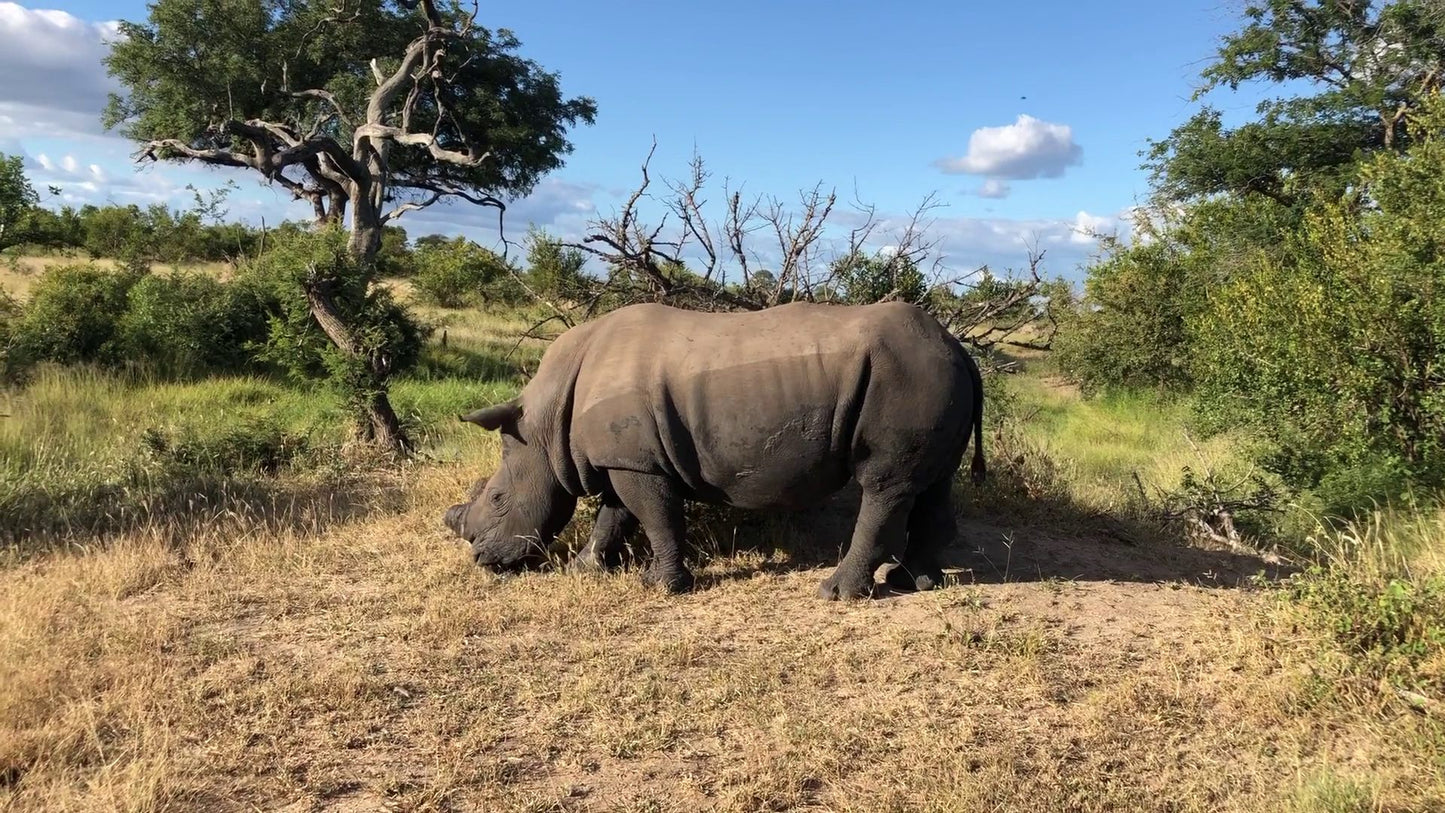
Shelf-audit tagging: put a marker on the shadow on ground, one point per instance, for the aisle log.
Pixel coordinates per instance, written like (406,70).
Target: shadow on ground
(1051,542)
(184,508)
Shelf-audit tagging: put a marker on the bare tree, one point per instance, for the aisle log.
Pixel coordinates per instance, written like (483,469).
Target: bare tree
(763,252)
(376,108)
(331,124)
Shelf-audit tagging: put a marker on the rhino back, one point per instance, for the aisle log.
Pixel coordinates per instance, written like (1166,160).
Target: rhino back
(767,409)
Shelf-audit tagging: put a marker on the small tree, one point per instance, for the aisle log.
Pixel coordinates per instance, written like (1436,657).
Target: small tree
(17,200)
(116,232)
(1339,356)
(459,272)
(379,108)
(1368,64)
(311,277)
(863,278)
(554,270)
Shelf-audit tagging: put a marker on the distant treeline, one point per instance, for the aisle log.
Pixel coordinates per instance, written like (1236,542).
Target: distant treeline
(158,234)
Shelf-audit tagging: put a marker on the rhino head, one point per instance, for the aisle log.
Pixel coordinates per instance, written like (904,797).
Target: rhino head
(512,517)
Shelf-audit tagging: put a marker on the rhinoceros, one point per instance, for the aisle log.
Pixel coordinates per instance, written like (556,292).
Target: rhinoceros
(649,406)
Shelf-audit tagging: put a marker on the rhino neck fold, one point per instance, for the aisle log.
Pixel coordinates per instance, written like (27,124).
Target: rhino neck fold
(549,397)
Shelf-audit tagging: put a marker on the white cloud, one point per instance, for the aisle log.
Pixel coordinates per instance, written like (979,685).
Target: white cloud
(966,243)
(993,188)
(68,168)
(1028,148)
(51,72)
(1086,226)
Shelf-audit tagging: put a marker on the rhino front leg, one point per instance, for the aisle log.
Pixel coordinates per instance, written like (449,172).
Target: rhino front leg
(881,528)
(657,505)
(613,525)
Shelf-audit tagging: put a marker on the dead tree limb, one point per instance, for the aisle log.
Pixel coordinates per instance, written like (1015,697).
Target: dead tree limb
(684,258)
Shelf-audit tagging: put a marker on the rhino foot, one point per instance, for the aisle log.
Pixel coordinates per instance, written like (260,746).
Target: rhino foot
(908,579)
(587,563)
(840,586)
(680,581)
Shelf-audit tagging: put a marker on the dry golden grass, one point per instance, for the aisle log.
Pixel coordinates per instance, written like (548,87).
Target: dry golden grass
(369,666)
(18,274)
(319,658)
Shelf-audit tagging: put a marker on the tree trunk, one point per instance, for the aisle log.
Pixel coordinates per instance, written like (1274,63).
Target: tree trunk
(365,226)
(382,426)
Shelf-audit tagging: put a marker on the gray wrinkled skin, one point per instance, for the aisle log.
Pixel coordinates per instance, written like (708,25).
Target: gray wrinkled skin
(650,406)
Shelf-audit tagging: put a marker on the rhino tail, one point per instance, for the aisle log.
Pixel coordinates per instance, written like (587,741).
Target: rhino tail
(978,470)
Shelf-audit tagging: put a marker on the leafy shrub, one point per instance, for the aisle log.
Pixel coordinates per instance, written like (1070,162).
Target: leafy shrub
(192,324)
(555,271)
(1391,628)
(116,231)
(387,337)
(394,258)
(10,313)
(457,273)
(1138,323)
(1337,355)
(1130,330)
(74,316)
(862,279)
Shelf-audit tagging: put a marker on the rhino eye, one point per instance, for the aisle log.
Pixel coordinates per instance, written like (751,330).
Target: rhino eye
(496,498)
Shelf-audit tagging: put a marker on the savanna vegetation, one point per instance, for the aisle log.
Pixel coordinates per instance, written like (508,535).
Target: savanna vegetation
(1207,571)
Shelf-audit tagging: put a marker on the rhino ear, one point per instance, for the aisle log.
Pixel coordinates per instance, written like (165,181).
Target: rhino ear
(504,416)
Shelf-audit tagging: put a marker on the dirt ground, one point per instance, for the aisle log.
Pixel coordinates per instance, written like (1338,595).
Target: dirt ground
(366,665)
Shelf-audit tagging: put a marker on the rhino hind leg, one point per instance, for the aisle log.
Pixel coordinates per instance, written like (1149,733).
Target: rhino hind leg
(610,531)
(931,527)
(657,505)
(881,529)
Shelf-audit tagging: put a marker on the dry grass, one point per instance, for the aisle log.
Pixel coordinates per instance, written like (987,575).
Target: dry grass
(19,273)
(369,666)
(307,656)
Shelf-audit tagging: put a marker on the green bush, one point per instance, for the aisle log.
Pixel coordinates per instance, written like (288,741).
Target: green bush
(10,312)
(394,258)
(1130,329)
(862,279)
(458,273)
(74,316)
(555,271)
(1390,628)
(1133,327)
(191,324)
(381,327)
(1337,355)
(116,231)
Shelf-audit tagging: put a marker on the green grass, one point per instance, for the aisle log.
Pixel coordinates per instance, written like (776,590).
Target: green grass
(1102,443)
(86,452)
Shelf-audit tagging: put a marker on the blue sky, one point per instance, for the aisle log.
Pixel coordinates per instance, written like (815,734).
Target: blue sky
(1042,106)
